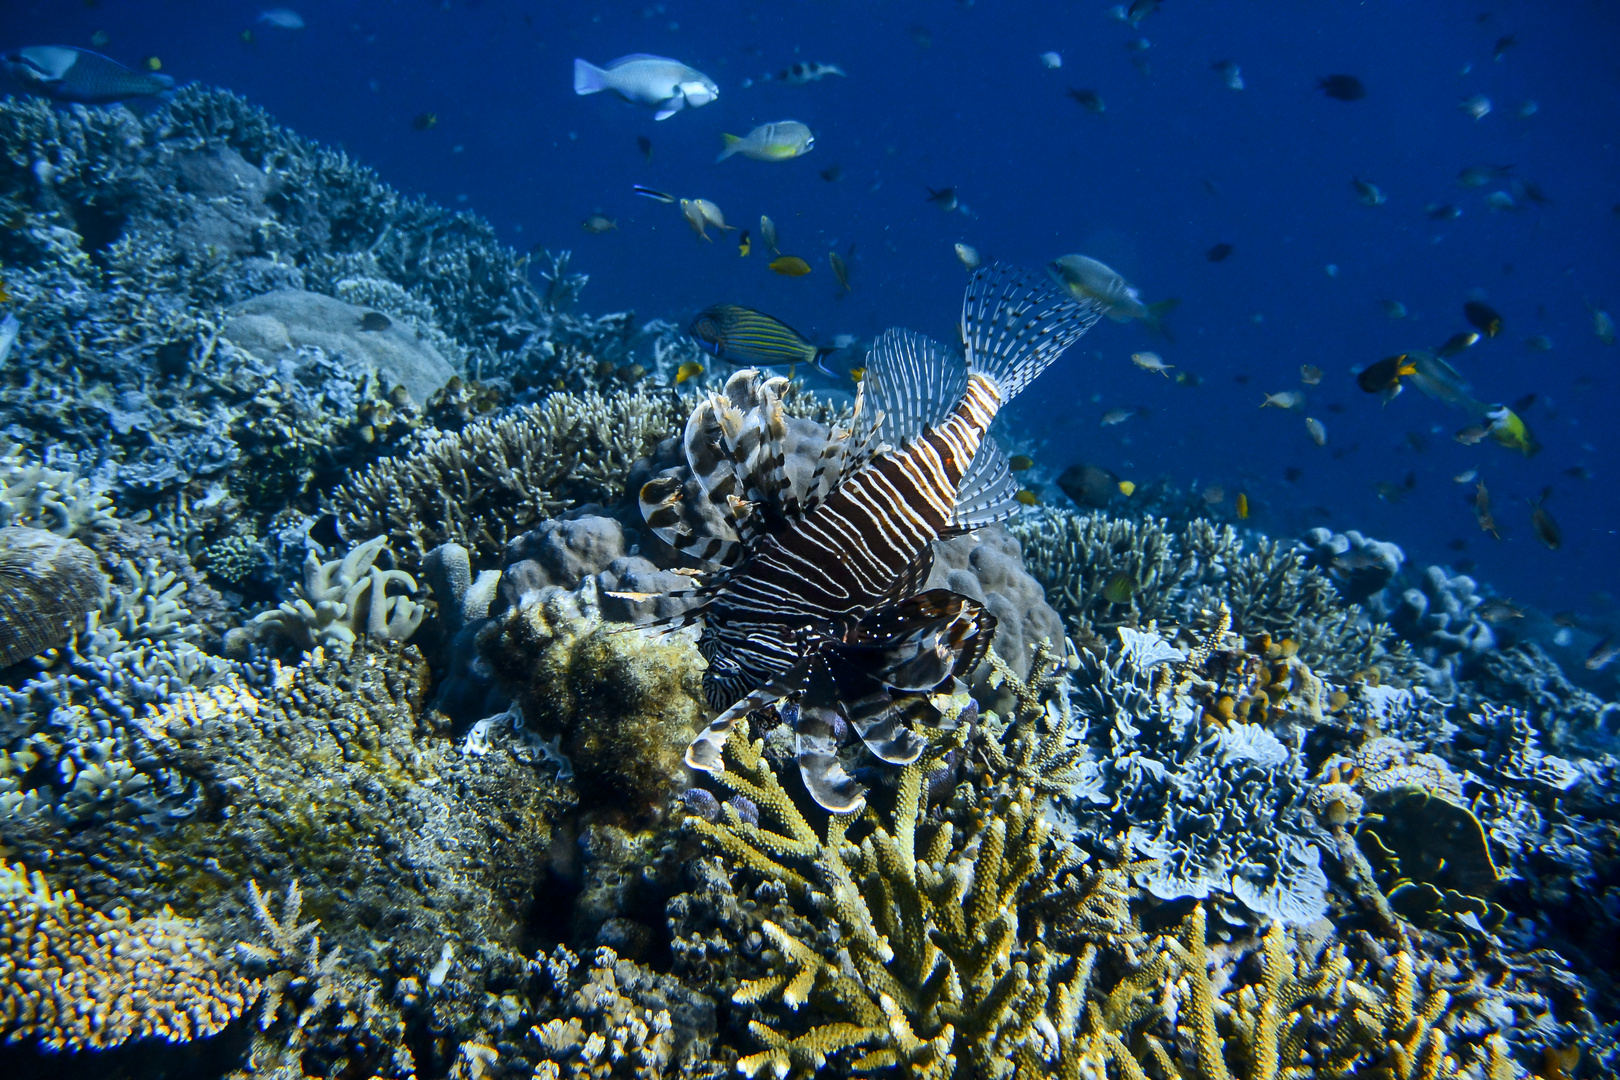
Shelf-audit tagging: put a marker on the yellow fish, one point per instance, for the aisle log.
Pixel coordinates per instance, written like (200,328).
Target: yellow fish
(1028,497)
(743,244)
(1242,506)
(1127,488)
(689,370)
(1509,430)
(1020,462)
(857,373)
(790,266)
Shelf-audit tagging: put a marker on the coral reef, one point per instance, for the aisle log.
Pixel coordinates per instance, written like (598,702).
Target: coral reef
(1102,572)
(1219,806)
(350,743)
(73,978)
(495,478)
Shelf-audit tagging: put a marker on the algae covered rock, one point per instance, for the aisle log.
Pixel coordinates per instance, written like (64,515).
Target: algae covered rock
(623,702)
(48,584)
(272,325)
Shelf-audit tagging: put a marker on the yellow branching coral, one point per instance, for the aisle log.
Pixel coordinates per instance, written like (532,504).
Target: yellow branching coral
(73,978)
(927,948)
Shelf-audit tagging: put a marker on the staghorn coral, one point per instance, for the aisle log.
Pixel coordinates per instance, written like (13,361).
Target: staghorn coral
(342,599)
(917,945)
(73,978)
(495,478)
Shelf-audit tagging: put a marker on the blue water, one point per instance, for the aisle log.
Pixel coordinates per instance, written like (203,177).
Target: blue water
(943,94)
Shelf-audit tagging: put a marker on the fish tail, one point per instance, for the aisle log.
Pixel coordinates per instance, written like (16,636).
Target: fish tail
(821,361)
(1015,324)
(1154,319)
(588,78)
(733,144)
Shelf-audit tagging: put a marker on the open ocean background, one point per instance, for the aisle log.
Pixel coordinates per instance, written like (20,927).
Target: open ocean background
(943,94)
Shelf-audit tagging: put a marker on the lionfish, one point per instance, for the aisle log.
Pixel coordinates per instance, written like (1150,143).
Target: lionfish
(819,555)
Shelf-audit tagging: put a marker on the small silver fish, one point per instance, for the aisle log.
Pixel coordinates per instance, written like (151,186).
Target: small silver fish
(1052,60)
(1603,326)
(1478,106)
(1151,361)
(9,328)
(643,79)
(968,255)
(1118,416)
(767,234)
(1285,399)
(1369,193)
(282,19)
(1316,430)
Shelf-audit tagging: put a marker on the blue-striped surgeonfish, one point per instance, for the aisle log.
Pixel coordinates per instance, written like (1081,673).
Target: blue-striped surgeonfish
(749,338)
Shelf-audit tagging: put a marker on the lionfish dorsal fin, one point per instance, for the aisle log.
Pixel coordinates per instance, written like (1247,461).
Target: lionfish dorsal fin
(911,383)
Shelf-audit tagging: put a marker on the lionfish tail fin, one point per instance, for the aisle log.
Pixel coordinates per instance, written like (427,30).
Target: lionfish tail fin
(1015,323)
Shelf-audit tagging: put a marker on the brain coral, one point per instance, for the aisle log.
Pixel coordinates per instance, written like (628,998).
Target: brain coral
(48,584)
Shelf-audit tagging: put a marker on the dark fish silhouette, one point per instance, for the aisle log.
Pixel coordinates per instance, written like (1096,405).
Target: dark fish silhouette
(1342,87)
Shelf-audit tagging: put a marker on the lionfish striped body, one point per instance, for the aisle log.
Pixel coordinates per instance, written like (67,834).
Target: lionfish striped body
(821,564)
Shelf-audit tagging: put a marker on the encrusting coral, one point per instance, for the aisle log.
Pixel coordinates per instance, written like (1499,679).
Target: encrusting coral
(622,703)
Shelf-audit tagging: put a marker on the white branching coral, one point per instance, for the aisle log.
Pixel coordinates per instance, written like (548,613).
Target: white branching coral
(341,599)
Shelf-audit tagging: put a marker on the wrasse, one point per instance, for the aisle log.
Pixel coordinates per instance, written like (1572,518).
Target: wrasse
(818,596)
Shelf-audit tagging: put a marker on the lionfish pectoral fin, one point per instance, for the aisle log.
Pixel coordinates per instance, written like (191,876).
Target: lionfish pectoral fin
(705,751)
(816,748)
(880,722)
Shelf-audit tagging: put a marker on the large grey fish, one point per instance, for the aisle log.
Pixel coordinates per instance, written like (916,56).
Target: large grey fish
(643,79)
(69,74)
(821,563)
